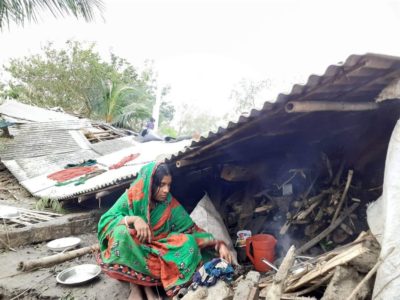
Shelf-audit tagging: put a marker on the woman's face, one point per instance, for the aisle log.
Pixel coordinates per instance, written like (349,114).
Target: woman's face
(163,189)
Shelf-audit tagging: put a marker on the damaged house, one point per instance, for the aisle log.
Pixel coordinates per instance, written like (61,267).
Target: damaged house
(303,169)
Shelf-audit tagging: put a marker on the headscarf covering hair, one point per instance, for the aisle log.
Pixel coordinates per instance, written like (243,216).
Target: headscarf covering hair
(161,171)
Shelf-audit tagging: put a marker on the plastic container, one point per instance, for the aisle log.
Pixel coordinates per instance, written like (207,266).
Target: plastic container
(261,246)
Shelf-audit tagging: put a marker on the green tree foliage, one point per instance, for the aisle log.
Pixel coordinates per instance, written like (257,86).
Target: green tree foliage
(122,111)
(19,11)
(79,81)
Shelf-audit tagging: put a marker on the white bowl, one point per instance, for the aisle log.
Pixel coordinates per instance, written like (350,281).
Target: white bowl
(8,212)
(64,243)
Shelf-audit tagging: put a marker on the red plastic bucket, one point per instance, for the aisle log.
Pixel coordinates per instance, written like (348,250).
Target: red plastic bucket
(261,246)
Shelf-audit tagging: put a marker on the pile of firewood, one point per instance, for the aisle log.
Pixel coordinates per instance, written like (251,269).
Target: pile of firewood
(305,207)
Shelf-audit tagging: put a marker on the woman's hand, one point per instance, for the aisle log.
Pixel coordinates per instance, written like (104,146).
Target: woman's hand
(225,253)
(143,231)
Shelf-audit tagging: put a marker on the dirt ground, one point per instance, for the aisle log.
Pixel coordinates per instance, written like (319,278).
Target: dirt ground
(42,284)
(12,193)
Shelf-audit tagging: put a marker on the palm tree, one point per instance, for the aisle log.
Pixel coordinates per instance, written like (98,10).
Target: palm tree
(122,103)
(18,11)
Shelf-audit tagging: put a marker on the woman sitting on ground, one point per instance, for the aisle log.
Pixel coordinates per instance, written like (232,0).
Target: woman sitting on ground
(148,239)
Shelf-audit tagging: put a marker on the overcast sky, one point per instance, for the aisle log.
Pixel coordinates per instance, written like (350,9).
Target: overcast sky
(202,48)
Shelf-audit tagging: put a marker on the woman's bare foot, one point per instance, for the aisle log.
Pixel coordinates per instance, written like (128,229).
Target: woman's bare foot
(136,292)
(150,294)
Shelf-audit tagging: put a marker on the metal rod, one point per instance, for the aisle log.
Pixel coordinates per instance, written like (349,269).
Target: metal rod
(265,261)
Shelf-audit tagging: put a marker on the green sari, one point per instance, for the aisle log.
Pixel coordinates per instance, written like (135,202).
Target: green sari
(177,246)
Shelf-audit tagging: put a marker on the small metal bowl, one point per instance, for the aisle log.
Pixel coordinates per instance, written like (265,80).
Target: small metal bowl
(78,274)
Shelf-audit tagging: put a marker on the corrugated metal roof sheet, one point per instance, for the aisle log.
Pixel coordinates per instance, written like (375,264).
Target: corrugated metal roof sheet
(47,138)
(38,149)
(360,78)
(150,151)
(26,168)
(27,113)
(110,146)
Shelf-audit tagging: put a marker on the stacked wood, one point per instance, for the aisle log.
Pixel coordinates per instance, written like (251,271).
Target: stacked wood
(315,207)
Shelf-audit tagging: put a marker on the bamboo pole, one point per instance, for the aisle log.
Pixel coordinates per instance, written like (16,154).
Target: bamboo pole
(312,106)
(51,260)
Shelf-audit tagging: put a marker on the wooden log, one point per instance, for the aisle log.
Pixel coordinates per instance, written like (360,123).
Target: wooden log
(275,290)
(55,259)
(327,231)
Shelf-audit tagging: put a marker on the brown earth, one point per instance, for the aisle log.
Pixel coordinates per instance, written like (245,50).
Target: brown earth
(42,284)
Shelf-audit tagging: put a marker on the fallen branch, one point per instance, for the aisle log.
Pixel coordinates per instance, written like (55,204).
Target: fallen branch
(49,261)
(339,207)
